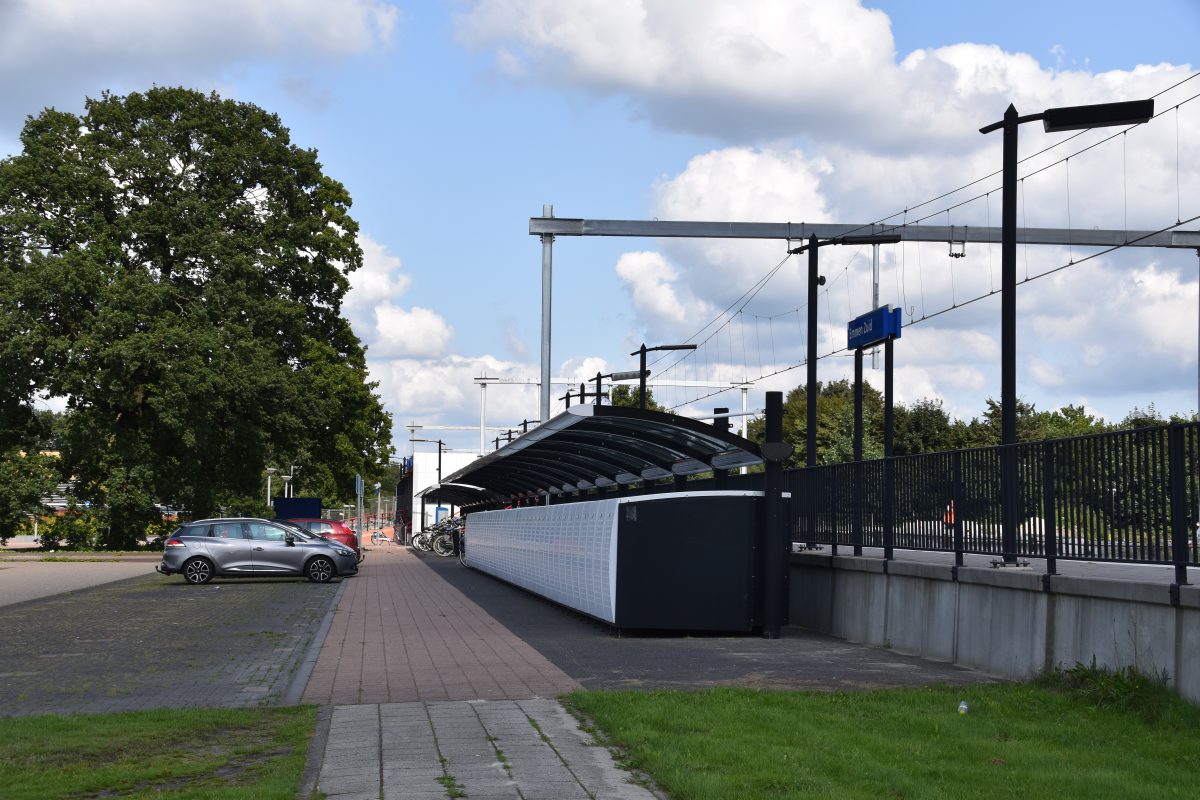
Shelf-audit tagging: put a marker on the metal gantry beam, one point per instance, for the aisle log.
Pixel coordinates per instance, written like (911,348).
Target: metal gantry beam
(788,231)
(547,227)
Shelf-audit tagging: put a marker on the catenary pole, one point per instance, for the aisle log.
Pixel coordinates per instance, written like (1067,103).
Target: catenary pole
(547,271)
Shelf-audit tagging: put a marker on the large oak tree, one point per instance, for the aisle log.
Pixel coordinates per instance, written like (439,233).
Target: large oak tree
(174,267)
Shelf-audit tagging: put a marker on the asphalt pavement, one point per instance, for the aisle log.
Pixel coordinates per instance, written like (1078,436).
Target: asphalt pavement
(154,641)
(22,580)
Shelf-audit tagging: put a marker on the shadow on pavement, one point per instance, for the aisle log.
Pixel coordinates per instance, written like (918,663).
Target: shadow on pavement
(594,654)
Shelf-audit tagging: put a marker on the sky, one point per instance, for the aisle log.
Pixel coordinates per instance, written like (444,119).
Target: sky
(452,123)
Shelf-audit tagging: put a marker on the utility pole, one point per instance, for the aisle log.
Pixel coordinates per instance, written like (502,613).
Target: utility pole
(547,273)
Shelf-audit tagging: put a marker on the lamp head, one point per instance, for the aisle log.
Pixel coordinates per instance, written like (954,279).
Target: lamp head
(1100,115)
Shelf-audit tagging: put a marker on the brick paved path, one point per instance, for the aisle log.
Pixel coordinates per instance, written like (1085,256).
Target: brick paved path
(401,633)
(157,642)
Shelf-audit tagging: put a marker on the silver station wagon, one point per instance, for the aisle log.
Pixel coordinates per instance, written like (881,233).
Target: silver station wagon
(209,548)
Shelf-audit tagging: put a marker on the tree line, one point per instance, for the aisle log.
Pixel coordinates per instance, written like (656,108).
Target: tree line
(924,426)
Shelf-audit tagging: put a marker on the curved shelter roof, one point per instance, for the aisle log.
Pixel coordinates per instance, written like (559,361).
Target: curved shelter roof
(596,446)
(460,494)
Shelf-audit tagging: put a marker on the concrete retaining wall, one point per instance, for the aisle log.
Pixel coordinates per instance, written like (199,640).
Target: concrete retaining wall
(1012,623)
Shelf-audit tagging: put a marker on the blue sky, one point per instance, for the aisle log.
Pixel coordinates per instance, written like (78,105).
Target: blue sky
(451,123)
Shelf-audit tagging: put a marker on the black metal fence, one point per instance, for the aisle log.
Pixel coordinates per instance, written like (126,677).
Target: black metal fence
(1128,496)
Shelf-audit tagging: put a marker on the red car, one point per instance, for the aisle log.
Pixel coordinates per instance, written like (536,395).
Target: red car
(330,529)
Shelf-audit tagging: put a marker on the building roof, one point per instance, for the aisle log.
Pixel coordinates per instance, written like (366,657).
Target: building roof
(590,446)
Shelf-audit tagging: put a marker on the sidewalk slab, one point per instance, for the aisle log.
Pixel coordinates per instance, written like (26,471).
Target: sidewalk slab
(483,758)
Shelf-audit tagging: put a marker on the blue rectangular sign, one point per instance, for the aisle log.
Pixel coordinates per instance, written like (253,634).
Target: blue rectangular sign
(873,327)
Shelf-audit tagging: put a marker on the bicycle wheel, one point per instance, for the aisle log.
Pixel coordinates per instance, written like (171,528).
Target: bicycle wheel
(443,545)
(421,541)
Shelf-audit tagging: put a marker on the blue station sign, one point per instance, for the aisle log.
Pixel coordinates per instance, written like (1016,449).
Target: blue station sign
(873,327)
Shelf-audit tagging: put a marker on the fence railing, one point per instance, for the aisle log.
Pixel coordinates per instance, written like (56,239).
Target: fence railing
(1128,496)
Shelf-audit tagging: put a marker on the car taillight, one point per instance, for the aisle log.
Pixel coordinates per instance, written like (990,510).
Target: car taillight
(175,543)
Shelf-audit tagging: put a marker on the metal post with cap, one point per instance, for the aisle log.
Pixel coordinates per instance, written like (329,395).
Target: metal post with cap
(776,542)
(1069,118)
(643,372)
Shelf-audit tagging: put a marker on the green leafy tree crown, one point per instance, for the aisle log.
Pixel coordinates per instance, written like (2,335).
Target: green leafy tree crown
(173,266)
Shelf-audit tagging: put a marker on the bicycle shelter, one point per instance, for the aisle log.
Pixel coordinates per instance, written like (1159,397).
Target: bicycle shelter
(601,519)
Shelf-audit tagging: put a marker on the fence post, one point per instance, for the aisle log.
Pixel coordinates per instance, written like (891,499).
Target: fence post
(1179,509)
(956,506)
(889,516)
(856,492)
(889,466)
(856,534)
(1009,491)
(1049,510)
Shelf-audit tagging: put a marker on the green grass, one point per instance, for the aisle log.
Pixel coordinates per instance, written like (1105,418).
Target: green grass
(1065,737)
(217,754)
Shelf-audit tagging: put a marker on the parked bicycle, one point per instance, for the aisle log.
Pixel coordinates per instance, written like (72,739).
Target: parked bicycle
(439,539)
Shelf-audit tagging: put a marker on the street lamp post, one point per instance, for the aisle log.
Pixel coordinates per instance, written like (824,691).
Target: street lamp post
(1069,118)
(441,445)
(642,372)
(270,471)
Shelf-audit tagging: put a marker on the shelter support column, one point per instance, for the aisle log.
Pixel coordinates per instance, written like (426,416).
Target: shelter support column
(776,542)
(721,423)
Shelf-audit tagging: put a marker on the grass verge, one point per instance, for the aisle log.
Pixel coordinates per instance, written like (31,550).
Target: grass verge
(1069,736)
(223,754)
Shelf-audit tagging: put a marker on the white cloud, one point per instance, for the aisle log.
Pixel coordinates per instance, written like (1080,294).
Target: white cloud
(378,279)
(53,52)
(823,69)
(514,342)
(388,329)
(442,392)
(193,30)
(698,66)
(414,333)
(650,281)
(677,292)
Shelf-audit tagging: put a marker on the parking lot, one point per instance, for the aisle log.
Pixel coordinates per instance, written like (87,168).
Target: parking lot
(157,642)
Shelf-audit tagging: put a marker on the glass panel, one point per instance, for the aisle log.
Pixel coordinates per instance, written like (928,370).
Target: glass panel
(266,532)
(227,530)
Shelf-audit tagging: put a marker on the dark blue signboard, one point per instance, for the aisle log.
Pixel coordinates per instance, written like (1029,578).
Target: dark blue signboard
(873,327)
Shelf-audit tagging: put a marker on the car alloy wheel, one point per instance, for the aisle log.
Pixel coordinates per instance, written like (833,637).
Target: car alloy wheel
(320,570)
(197,571)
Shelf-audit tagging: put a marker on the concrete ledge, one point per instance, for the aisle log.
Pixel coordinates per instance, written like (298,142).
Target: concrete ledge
(811,559)
(1110,589)
(1189,596)
(915,569)
(1022,579)
(859,564)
